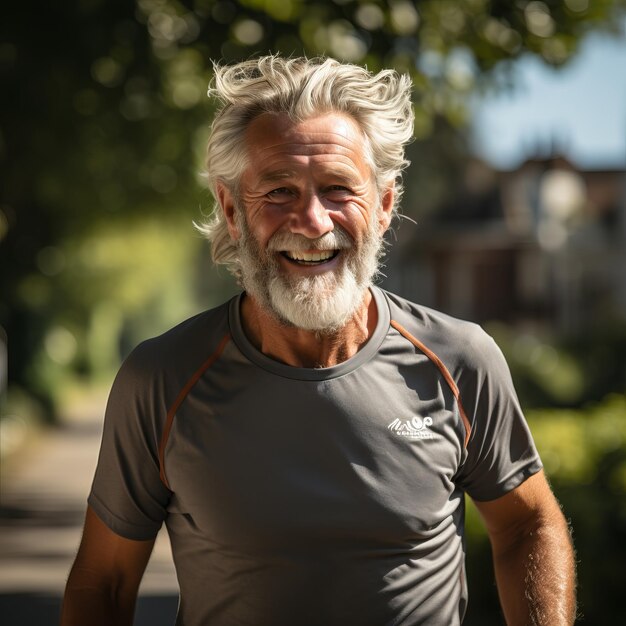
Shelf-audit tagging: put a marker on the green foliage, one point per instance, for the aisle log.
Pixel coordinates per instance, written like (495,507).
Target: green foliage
(584,454)
(573,443)
(104,117)
(585,457)
(565,372)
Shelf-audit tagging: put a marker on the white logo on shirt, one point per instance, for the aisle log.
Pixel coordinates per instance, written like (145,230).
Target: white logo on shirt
(415,428)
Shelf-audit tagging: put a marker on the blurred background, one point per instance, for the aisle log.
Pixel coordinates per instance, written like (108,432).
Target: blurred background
(514,217)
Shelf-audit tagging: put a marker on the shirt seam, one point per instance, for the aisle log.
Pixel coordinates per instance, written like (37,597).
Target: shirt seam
(439,364)
(184,392)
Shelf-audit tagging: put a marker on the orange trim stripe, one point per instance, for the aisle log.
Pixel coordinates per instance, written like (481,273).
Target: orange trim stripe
(444,371)
(179,400)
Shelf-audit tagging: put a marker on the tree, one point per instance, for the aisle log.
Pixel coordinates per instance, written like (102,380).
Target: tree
(104,113)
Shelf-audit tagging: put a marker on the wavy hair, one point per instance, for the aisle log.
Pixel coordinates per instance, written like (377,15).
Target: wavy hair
(302,88)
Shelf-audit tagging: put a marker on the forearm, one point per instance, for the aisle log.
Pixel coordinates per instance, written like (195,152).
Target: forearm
(536,576)
(88,601)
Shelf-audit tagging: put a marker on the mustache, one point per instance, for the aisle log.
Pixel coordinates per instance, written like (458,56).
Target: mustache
(337,239)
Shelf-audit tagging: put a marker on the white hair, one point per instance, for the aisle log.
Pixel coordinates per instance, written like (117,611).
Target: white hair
(302,88)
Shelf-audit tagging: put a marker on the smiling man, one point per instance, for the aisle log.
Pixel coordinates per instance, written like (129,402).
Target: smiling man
(309,443)
(309,226)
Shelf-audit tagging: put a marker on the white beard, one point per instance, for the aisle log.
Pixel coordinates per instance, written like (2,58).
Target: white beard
(323,303)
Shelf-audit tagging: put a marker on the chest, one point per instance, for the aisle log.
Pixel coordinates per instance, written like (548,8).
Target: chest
(366,457)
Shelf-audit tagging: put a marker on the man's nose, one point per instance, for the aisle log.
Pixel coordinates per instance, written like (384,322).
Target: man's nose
(310,218)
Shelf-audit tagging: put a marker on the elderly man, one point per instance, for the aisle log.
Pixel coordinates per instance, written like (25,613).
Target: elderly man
(309,443)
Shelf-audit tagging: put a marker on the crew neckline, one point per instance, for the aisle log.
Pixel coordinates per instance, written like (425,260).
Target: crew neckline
(308,373)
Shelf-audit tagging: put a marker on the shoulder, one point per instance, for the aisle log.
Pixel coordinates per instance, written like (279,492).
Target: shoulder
(460,344)
(153,375)
(178,352)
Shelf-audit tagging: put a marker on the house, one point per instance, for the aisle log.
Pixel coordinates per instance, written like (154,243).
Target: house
(543,244)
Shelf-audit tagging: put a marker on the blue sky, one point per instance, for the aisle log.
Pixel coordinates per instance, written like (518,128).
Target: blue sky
(582,105)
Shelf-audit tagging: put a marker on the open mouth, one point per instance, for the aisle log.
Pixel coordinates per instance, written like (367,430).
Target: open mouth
(317,257)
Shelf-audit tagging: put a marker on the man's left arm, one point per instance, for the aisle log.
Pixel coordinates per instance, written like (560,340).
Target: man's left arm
(533,555)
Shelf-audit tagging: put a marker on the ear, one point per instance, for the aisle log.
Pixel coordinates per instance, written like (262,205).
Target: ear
(386,212)
(227,204)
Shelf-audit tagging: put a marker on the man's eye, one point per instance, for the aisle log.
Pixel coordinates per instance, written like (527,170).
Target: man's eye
(279,192)
(339,188)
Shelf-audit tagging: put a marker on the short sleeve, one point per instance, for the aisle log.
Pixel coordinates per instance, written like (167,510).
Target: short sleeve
(501,453)
(127,493)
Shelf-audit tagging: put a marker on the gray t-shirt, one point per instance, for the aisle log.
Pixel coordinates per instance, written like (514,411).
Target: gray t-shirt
(319,497)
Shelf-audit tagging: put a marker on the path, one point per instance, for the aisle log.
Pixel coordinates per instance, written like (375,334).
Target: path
(42,503)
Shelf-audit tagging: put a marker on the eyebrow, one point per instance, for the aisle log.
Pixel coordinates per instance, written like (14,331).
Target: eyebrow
(276,175)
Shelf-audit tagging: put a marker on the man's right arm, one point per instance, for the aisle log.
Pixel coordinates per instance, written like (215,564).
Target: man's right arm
(102,585)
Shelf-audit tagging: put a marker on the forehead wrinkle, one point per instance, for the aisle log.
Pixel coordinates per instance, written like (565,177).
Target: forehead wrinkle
(272,176)
(289,150)
(347,141)
(290,137)
(319,165)
(307,148)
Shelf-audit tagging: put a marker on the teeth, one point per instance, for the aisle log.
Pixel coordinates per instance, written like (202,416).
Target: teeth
(309,257)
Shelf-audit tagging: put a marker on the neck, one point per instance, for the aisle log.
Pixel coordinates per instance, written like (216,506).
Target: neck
(305,348)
